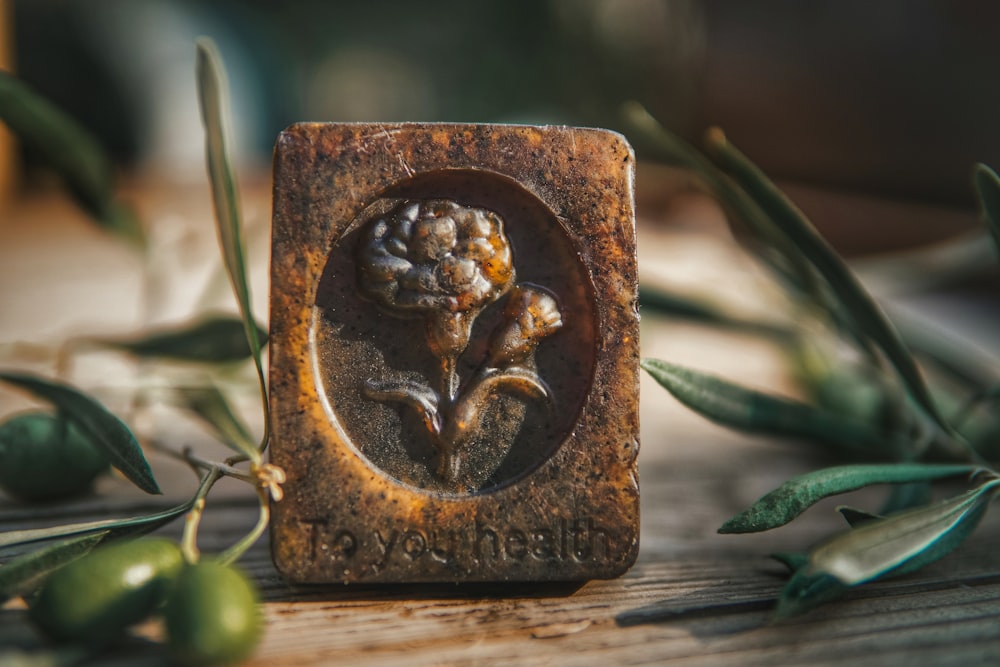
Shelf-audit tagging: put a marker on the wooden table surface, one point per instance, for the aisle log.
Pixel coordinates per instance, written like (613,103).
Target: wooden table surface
(694,597)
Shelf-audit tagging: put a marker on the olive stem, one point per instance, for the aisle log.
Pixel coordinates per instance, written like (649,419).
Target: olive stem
(189,540)
(195,461)
(233,553)
(265,439)
(215,471)
(238,458)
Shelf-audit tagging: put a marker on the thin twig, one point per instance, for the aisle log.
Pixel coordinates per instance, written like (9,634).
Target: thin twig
(188,456)
(233,553)
(189,540)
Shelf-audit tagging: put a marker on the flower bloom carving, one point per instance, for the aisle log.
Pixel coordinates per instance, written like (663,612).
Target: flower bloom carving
(445,263)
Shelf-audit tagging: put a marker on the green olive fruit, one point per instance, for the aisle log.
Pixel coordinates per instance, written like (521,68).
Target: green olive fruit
(93,599)
(212,617)
(45,457)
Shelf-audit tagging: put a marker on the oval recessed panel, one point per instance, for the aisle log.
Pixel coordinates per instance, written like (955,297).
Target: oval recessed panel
(455,332)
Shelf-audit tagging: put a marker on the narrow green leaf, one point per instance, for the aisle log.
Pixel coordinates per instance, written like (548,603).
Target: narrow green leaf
(209,403)
(946,543)
(985,396)
(778,255)
(807,590)
(855,518)
(94,420)
(776,252)
(752,411)
(907,496)
(26,572)
(855,391)
(988,190)
(212,96)
(216,339)
(865,313)
(799,493)
(793,560)
(927,268)
(14,538)
(969,366)
(689,308)
(120,219)
(70,150)
(879,547)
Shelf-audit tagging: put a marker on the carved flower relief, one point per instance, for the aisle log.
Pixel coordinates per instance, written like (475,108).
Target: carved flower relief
(440,260)
(445,263)
(530,315)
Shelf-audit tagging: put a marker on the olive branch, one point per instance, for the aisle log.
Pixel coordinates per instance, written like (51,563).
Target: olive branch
(209,608)
(878,406)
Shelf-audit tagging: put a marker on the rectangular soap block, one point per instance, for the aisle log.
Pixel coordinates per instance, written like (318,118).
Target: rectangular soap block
(454,353)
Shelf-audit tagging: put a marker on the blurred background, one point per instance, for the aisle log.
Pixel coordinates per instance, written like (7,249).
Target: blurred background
(895,98)
(869,114)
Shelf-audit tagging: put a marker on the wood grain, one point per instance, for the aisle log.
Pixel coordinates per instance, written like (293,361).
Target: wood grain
(694,597)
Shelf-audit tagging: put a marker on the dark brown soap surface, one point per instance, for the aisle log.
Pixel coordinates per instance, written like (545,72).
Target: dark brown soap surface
(454,353)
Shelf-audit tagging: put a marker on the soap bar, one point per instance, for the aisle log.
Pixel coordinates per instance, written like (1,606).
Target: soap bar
(453,353)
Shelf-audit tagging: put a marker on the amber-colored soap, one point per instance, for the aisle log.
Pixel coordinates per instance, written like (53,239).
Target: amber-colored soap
(454,353)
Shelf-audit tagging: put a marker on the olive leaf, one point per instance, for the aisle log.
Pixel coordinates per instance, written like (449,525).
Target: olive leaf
(907,496)
(71,151)
(950,353)
(947,543)
(779,256)
(94,420)
(988,190)
(807,590)
(799,493)
(690,308)
(23,574)
(892,545)
(212,97)
(883,546)
(855,517)
(927,267)
(749,410)
(12,538)
(793,560)
(215,339)
(775,250)
(985,396)
(864,311)
(209,403)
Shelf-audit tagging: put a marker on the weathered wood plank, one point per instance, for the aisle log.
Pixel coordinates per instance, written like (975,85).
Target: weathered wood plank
(705,597)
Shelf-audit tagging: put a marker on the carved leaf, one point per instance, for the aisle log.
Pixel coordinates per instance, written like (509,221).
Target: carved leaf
(420,397)
(520,381)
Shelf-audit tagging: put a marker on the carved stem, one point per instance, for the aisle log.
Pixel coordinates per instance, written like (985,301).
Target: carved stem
(449,378)
(448,466)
